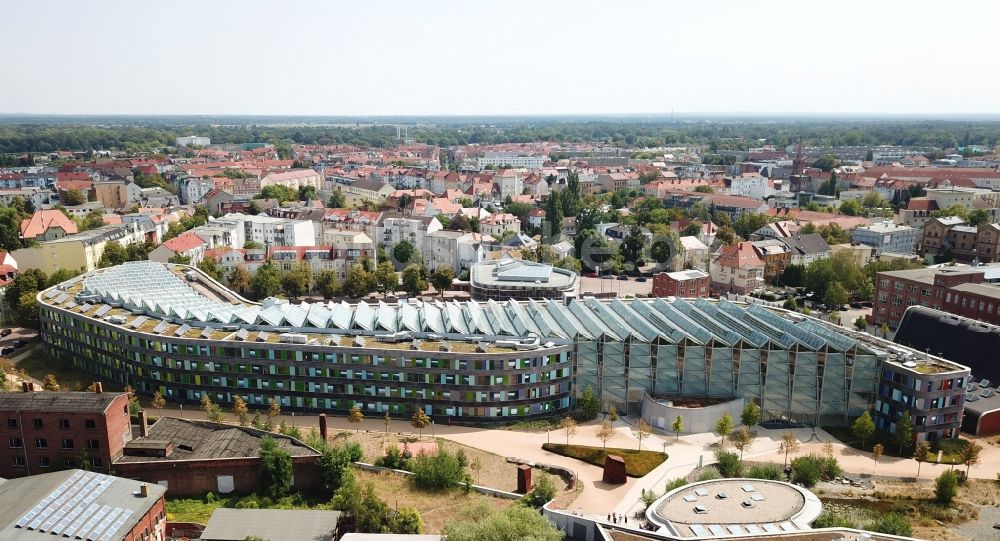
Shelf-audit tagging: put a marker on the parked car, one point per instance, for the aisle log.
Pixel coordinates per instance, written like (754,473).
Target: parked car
(855,305)
(591,275)
(640,279)
(18,344)
(608,276)
(6,351)
(5,332)
(622,277)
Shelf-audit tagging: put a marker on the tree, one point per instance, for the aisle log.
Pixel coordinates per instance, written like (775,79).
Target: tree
(74,197)
(587,404)
(114,254)
(403,252)
(279,192)
(298,281)
(334,466)
(240,410)
(327,284)
(789,445)
(751,414)
(921,454)
(851,207)
(275,468)
(612,413)
(742,440)
(642,431)
(860,324)
(359,282)
(442,278)
(723,426)
(863,427)
(885,330)
(728,464)
(553,214)
(49,383)
(725,235)
(542,493)
(677,427)
(632,245)
(355,417)
(387,420)
(836,295)
(978,217)
(946,487)
(413,280)
(420,420)
(877,453)
(386,279)
(745,225)
(306,193)
(158,402)
(969,455)
(605,432)
(826,162)
(211,267)
(569,426)
(337,200)
(239,279)
(903,435)
(266,282)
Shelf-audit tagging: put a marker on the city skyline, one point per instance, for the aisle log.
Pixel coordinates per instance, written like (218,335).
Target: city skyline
(511,59)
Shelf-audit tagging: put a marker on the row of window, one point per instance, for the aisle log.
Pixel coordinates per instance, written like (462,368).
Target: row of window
(46,462)
(64,424)
(43,443)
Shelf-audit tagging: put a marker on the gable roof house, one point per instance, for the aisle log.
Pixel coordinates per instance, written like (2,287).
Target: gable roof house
(47,225)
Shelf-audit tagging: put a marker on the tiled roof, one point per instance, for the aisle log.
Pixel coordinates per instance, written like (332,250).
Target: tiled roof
(184,242)
(42,220)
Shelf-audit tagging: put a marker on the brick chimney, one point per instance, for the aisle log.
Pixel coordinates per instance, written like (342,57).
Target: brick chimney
(143,424)
(98,387)
(144,490)
(322,426)
(27,386)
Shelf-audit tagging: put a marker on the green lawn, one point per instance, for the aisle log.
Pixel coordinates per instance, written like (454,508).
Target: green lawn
(637,463)
(847,437)
(37,364)
(200,509)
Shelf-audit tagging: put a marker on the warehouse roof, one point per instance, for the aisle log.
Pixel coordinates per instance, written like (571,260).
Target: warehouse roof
(51,401)
(285,524)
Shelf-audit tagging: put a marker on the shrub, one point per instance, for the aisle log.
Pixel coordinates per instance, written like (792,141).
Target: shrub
(680,481)
(463,461)
(946,487)
(393,459)
(827,519)
(892,524)
(709,474)
(354,451)
(648,497)
(769,471)
(728,464)
(439,471)
(809,469)
(542,493)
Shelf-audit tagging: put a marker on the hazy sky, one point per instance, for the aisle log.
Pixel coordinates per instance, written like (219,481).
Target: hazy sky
(498,57)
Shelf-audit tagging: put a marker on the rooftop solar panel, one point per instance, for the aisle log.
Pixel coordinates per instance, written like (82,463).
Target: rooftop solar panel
(182,330)
(242,334)
(102,310)
(262,336)
(207,332)
(137,322)
(160,327)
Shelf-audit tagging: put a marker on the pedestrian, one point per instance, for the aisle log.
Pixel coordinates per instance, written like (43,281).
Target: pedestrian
(626,519)
(609,517)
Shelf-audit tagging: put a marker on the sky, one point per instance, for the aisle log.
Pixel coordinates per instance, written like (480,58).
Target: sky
(509,57)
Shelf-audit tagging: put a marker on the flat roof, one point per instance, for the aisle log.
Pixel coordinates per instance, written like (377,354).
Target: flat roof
(286,524)
(51,401)
(986,290)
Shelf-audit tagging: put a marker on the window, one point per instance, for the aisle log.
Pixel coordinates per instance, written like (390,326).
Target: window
(18,461)
(68,463)
(91,424)
(16,443)
(44,462)
(67,443)
(41,443)
(11,422)
(64,424)
(95,463)
(93,444)
(39,424)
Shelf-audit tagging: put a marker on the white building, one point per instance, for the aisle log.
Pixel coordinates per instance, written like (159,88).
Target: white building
(193,140)
(455,249)
(750,185)
(510,159)
(268,230)
(194,190)
(295,179)
(495,224)
(395,228)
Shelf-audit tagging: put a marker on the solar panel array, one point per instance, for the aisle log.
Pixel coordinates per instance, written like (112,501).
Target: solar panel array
(148,287)
(137,322)
(182,330)
(207,333)
(104,309)
(242,334)
(160,327)
(52,293)
(63,297)
(70,511)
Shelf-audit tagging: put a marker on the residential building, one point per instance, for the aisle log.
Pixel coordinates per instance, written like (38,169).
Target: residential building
(47,431)
(750,185)
(535,218)
(497,224)
(917,212)
(187,246)
(887,237)
(79,250)
(510,159)
(391,229)
(319,258)
(194,190)
(934,234)
(47,224)
(456,249)
(693,254)
(692,283)
(776,257)
(930,391)
(81,504)
(267,230)
(738,268)
(357,193)
(510,182)
(294,179)
(193,140)
(467,361)
(804,249)
(111,194)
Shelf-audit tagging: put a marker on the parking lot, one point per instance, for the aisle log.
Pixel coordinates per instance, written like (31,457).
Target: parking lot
(620,287)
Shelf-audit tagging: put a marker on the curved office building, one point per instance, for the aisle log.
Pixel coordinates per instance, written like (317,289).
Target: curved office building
(170,328)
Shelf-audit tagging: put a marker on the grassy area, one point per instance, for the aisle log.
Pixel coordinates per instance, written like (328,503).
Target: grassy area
(637,463)
(200,509)
(846,436)
(537,425)
(37,364)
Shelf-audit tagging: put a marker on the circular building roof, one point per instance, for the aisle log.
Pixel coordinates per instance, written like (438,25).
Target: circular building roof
(735,507)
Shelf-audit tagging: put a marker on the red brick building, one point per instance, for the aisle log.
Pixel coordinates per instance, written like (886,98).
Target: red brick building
(43,431)
(956,290)
(687,283)
(77,504)
(191,458)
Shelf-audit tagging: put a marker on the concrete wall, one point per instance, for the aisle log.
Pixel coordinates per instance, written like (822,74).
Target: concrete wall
(662,416)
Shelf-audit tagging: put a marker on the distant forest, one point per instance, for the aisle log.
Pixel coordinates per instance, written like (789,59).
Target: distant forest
(46,134)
